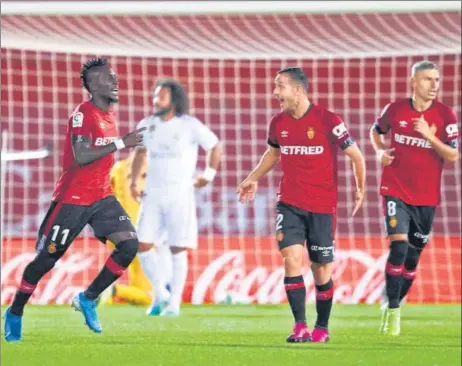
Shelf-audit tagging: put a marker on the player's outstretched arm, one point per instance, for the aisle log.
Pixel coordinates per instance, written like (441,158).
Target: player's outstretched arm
(135,171)
(359,170)
(248,187)
(266,163)
(447,152)
(85,154)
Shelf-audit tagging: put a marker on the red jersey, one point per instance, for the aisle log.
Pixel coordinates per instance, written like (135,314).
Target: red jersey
(414,176)
(308,149)
(89,183)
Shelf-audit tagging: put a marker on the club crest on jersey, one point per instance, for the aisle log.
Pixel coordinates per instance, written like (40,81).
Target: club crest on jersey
(393,222)
(103,141)
(433,128)
(77,120)
(310,133)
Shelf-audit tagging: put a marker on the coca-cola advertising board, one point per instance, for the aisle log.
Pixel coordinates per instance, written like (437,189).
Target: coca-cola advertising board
(242,274)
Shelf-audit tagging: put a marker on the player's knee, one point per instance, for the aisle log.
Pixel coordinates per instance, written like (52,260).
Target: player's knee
(127,251)
(398,252)
(292,259)
(321,272)
(412,258)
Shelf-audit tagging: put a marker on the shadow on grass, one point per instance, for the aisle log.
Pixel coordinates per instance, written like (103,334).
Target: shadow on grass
(310,346)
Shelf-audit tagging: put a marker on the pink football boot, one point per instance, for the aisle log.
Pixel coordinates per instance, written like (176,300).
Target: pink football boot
(300,334)
(320,335)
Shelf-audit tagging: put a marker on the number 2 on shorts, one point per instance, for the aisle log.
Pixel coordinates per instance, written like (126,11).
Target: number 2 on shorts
(279,219)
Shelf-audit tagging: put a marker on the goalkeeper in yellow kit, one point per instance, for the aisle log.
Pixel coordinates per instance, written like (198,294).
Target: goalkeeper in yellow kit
(138,291)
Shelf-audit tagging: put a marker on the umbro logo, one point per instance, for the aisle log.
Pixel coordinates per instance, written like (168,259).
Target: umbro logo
(402,124)
(284,134)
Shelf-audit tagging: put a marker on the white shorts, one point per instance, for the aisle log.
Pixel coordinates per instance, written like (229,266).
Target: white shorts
(168,218)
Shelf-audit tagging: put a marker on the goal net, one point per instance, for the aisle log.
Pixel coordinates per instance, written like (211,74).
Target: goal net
(356,64)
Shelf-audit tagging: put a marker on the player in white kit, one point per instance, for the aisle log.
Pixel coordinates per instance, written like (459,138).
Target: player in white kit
(168,207)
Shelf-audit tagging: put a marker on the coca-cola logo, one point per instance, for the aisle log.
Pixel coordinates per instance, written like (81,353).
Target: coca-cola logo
(358,277)
(60,286)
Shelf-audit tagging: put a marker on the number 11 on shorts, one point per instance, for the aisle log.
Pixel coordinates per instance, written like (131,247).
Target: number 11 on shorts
(64,233)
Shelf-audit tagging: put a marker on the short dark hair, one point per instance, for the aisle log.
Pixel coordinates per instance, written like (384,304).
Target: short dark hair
(297,75)
(87,66)
(423,65)
(178,94)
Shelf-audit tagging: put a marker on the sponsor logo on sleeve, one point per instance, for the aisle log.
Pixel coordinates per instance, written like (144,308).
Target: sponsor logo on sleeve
(340,130)
(452,130)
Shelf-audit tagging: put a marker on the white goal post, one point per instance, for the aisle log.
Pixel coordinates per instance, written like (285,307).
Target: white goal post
(220,7)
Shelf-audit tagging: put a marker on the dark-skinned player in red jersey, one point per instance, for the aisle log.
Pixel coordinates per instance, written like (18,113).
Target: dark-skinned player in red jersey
(424,134)
(82,196)
(305,137)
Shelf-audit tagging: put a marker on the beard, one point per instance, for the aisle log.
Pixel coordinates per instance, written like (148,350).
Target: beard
(162,112)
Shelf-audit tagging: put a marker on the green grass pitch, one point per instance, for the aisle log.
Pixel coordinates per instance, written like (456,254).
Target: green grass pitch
(234,335)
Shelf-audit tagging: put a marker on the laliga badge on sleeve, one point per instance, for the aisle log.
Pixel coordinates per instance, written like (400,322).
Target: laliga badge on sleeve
(77,120)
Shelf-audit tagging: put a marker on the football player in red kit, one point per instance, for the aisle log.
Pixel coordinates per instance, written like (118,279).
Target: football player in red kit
(82,196)
(423,134)
(305,138)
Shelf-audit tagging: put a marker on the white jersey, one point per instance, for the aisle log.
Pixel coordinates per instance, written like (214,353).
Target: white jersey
(172,150)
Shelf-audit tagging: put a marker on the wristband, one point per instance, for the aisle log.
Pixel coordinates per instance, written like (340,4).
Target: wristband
(209,174)
(119,143)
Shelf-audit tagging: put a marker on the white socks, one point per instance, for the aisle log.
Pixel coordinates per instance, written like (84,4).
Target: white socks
(179,275)
(164,265)
(149,264)
(157,273)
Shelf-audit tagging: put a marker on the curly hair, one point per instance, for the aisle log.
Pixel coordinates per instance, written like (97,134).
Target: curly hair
(178,94)
(87,66)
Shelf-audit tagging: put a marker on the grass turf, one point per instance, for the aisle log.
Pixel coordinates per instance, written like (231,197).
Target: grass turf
(233,335)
